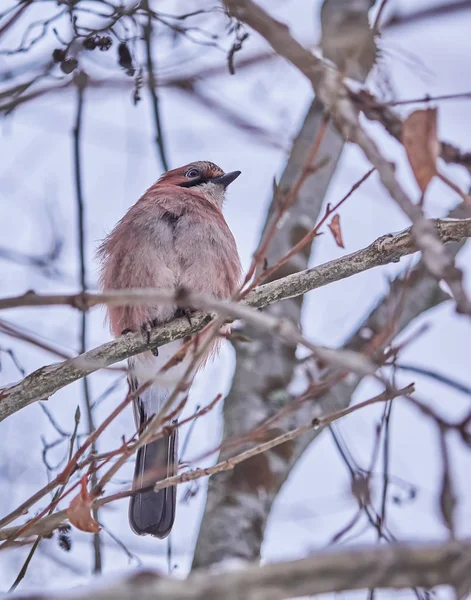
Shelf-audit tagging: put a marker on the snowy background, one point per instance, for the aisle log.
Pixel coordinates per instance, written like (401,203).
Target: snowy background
(119,163)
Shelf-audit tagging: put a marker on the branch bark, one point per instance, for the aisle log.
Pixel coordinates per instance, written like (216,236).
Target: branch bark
(396,566)
(48,380)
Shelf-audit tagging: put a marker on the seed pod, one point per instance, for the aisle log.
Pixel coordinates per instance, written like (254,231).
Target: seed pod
(125,59)
(58,55)
(68,65)
(65,542)
(104,43)
(90,43)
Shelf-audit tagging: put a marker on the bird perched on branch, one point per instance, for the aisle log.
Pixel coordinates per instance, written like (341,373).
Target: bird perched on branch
(174,237)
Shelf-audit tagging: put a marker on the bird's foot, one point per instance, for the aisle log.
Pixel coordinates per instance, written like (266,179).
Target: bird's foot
(146,329)
(184,312)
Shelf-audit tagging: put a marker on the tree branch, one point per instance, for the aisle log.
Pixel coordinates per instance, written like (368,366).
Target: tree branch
(40,384)
(152,86)
(81,83)
(335,95)
(47,524)
(395,566)
(239,503)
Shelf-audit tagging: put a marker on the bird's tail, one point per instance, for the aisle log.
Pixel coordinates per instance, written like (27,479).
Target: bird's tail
(153,513)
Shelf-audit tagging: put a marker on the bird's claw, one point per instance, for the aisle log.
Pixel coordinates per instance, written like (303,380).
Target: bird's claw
(185,312)
(146,329)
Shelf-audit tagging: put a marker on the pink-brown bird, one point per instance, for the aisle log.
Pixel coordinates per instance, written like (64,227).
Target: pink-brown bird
(175,236)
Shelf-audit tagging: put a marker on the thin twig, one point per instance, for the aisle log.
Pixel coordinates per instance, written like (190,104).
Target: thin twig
(306,239)
(366,507)
(457,385)
(284,201)
(386,461)
(227,464)
(81,84)
(379,14)
(152,87)
(57,495)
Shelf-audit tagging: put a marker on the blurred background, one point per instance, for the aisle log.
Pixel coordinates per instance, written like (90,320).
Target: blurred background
(245,120)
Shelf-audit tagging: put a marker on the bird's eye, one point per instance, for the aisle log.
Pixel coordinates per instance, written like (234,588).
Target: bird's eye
(192,173)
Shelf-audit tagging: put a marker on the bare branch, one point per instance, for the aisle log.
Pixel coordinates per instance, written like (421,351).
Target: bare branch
(48,380)
(81,83)
(236,514)
(152,86)
(42,525)
(332,91)
(395,566)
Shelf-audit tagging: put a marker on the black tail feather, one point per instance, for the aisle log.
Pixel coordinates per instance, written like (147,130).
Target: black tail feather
(153,513)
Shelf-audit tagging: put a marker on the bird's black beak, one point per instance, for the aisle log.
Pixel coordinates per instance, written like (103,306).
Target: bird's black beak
(226,179)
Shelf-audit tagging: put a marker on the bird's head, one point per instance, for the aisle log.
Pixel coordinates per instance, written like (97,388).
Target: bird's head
(202,176)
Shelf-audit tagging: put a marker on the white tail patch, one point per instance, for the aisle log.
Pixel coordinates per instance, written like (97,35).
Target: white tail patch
(146,367)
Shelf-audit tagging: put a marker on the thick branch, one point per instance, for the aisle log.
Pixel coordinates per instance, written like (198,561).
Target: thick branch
(387,249)
(48,380)
(396,566)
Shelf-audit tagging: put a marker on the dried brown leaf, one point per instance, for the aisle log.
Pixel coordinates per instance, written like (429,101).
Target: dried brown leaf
(336,231)
(419,136)
(80,510)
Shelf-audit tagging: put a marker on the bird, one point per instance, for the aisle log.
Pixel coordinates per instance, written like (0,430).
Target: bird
(174,237)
